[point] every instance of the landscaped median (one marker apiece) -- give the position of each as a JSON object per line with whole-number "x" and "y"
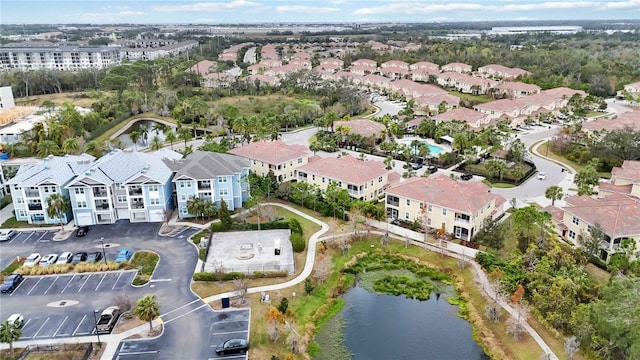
{"x": 145, "y": 262}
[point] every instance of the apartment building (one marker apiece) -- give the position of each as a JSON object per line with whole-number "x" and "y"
{"x": 34, "y": 183}
{"x": 274, "y": 156}
{"x": 122, "y": 184}
{"x": 364, "y": 180}
{"x": 210, "y": 176}
{"x": 439, "y": 202}
{"x": 64, "y": 58}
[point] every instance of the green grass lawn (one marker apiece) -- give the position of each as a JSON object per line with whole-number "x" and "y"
{"x": 477, "y": 98}
{"x": 12, "y": 223}
{"x": 502, "y": 185}
{"x": 146, "y": 261}
{"x": 544, "y": 150}
{"x": 15, "y": 265}
{"x": 308, "y": 227}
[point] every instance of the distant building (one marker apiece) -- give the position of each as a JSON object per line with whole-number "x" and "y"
{"x": 508, "y": 30}
{"x": 6, "y": 98}
{"x": 64, "y": 58}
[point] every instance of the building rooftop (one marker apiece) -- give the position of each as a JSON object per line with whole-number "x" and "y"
{"x": 57, "y": 170}
{"x": 346, "y": 169}
{"x": 629, "y": 170}
{"x": 618, "y": 214}
{"x": 207, "y": 165}
{"x": 365, "y": 127}
{"x": 271, "y": 152}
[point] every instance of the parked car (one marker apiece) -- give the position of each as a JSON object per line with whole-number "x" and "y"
{"x": 416, "y": 166}
{"x": 466, "y": 177}
{"x": 11, "y": 283}
{"x": 233, "y": 346}
{"x": 48, "y": 260}
{"x": 16, "y": 320}
{"x": 432, "y": 168}
{"x": 32, "y": 260}
{"x": 94, "y": 257}
{"x": 542, "y": 176}
{"x": 6, "y": 235}
{"x": 79, "y": 257}
{"x": 64, "y": 258}
{"x": 82, "y": 231}
{"x": 123, "y": 255}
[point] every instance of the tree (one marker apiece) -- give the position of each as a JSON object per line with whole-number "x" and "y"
{"x": 525, "y": 218}
{"x": 185, "y": 134}
{"x": 588, "y": 177}
{"x": 47, "y": 147}
{"x": 240, "y": 288}
{"x": 492, "y": 234}
{"x": 389, "y": 163}
{"x": 553, "y": 193}
{"x": 225, "y": 215}
{"x": 284, "y": 305}
{"x": 591, "y": 242}
{"x": 9, "y": 333}
{"x": 170, "y": 136}
{"x": 70, "y": 146}
{"x": 147, "y": 308}
{"x": 57, "y": 206}
{"x": 274, "y": 320}
{"x": 308, "y": 286}
{"x": 156, "y": 143}
{"x": 195, "y": 206}
{"x": 134, "y": 136}
{"x": 496, "y": 167}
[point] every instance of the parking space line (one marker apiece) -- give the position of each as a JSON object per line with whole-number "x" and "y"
{"x": 54, "y": 281}
{"x": 70, "y": 281}
{"x": 139, "y": 353}
{"x": 103, "y": 276}
{"x": 185, "y": 314}
{"x": 178, "y": 308}
{"x": 229, "y": 332}
{"x": 228, "y": 321}
{"x": 58, "y": 329}
{"x": 17, "y": 287}
{"x": 78, "y": 327}
{"x": 45, "y": 233}
{"x": 28, "y": 237}
{"x": 34, "y": 286}
{"x": 41, "y": 326}
{"x": 116, "y": 283}
{"x": 85, "y": 281}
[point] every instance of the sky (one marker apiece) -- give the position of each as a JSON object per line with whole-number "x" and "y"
{"x": 342, "y": 11}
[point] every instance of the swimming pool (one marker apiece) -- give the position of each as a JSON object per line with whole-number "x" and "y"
{"x": 434, "y": 150}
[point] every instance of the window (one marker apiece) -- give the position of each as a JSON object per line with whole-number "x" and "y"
{"x": 222, "y": 179}
{"x": 429, "y": 208}
{"x": 406, "y": 215}
{"x": 79, "y": 191}
{"x": 421, "y": 206}
{"x": 46, "y": 189}
{"x": 122, "y": 198}
{"x": 323, "y": 179}
{"x": 313, "y": 177}
{"x": 371, "y": 182}
{"x": 153, "y": 187}
{"x": 19, "y": 200}
{"x": 428, "y": 221}
{"x": 224, "y": 192}
{"x": 299, "y": 160}
{"x": 182, "y": 184}
{"x": 572, "y": 234}
{"x": 408, "y": 202}
{"x": 183, "y": 197}
{"x": 254, "y": 162}
{"x": 588, "y": 228}
{"x": 183, "y": 210}
{"x": 339, "y": 184}
{"x": 53, "y": 189}
{"x": 444, "y": 211}
{"x": 379, "y": 191}
{"x": 82, "y": 204}
{"x": 380, "y": 179}
{"x": 188, "y": 184}
{"x": 154, "y": 201}
{"x": 488, "y": 206}
{"x": 576, "y": 220}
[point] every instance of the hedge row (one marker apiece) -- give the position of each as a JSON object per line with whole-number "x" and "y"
{"x": 219, "y": 227}
{"x": 217, "y": 276}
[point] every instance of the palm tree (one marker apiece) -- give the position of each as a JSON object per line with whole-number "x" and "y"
{"x": 47, "y": 147}
{"x": 496, "y": 167}
{"x": 553, "y": 193}
{"x": 70, "y": 146}
{"x": 196, "y": 206}
{"x": 147, "y": 308}
{"x": 157, "y": 127}
{"x": 184, "y": 134}
{"x": 134, "y": 136}
{"x": 9, "y": 333}
{"x": 57, "y": 205}
{"x": 170, "y": 136}
{"x": 156, "y": 143}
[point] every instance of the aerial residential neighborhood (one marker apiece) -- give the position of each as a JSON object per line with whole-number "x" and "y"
{"x": 193, "y": 181}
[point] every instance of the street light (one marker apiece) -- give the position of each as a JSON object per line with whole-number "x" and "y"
{"x": 104, "y": 255}
{"x": 95, "y": 326}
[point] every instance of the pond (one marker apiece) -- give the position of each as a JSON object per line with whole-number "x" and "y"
{"x": 394, "y": 327}
{"x": 143, "y": 126}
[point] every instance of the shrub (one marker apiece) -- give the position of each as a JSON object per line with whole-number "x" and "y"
{"x": 204, "y": 276}
{"x": 297, "y": 242}
{"x": 284, "y": 305}
{"x": 295, "y": 226}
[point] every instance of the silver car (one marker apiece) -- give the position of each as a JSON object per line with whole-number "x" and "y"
{"x": 6, "y": 235}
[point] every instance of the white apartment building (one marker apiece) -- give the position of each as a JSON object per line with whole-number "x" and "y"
{"x": 64, "y": 58}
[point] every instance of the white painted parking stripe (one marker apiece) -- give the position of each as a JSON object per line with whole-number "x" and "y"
{"x": 185, "y": 314}
{"x": 70, "y": 281}
{"x": 14, "y": 290}
{"x": 62, "y": 323}
{"x": 140, "y": 353}
{"x": 103, "y": 276}
{"x": 229, "y": 332}
{"x": 85, "y": 281}
{"x": 159, "y": 280}
{"x": 45, "y": 233}
{"x": 54, "y": 281}
{"x": 41, "y": 326}
{"x": 28, "y": 237}
{"x": 116, "y": 283}
{"x": 34, "y": 286}
{"x": 229, "y": 321}
{"x": 78, "y": 327}
{"x": 178, "y": 308}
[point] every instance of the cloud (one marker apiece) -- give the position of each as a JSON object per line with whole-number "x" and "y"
{"x": 306, "y": 9}
{"x": 130, "y": 13}
{"x": 209, "y": 7}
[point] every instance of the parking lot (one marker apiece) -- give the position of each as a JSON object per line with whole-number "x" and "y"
{"x": 56, "y": 326}
{"x": 50, "y": 285}
{"x": 232, "y": 324}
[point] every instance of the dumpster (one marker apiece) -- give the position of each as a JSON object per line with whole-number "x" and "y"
{"x": 225, "y": 302}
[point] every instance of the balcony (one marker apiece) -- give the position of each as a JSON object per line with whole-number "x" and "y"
{"x": 356, "y": 193}
{"x": 135, "y": 191}
{"x": 393, "y": 200}
{"x": 102, "y": 205}
{"x": 139, "y": 204}
{"x": 100, "y": 192}
{"x": 32, "y": 193}
{"x": 204, "y": 185}
{"x": 35, "y": 206}
{"x": 462, "y": 218}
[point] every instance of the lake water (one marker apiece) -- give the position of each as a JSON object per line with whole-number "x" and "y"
{"x": 140, "y": 126}
{"x": 387, "y": 327}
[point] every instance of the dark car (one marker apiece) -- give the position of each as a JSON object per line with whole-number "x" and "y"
{"x": 416, "y": 166}
{"x": 432, "y": 169}
{"x": 466, "y": 177}
{"x": 79, "y": 257}
{"x": 94, "y": 257}
{"x": 82, "y": 231}
{"x": 11, "y": 283}
{"x": 233, "y": 346}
